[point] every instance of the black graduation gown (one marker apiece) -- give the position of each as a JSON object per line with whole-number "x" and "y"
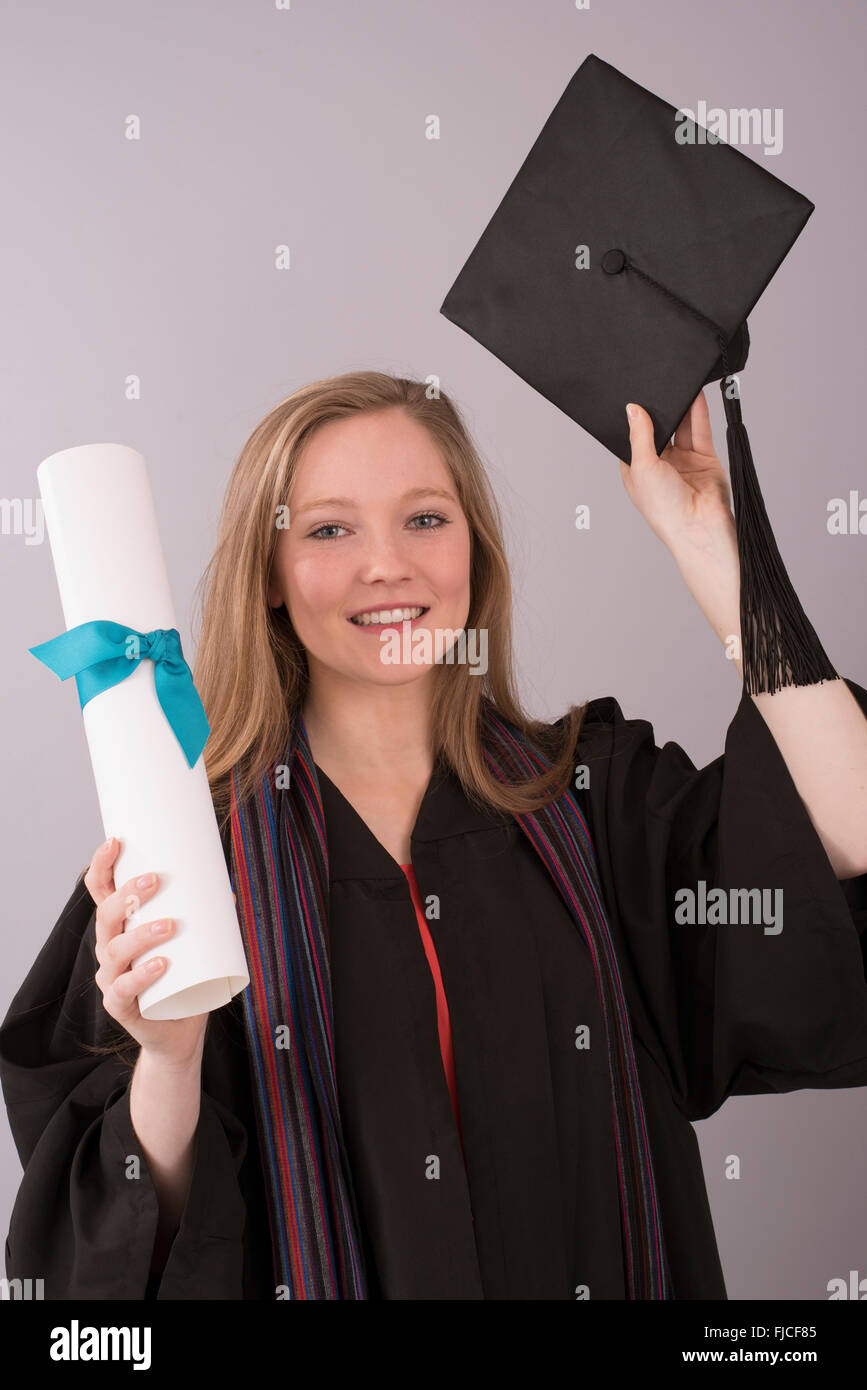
{"x": 716, "y": 1010}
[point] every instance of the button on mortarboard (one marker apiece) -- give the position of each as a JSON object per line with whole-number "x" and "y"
{"x": 683, "y": 240}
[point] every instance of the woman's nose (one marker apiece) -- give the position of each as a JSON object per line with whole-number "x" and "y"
{"x": 385, "y": 558}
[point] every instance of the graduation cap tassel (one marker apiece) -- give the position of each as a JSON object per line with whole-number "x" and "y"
{"x": 779, "y": 645}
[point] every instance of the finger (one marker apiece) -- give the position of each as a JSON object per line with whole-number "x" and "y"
{"x": 641, "y": 441}
{"x": 121, "y": 998}
{"x": 683, "y": 433}
{"x": 114, "y": 911}
{"x": 702, "y": 435}
{"x": 99, "y": 879}
{"x": 118, "y": 953}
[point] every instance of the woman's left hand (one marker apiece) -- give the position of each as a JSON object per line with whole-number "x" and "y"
{"x": 682, "y": 493}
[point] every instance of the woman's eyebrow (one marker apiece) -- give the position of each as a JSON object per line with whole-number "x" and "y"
{"x": 351, "y": 502}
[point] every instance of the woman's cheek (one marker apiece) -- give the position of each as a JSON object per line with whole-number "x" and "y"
{"x": 316, "y": 587}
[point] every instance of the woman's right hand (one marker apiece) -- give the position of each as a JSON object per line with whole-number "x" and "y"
{"x": 176, "y": 1040}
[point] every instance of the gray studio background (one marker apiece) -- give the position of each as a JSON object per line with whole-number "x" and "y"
{"x": 306, "y": 127}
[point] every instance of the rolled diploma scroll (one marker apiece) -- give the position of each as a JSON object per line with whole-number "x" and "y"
{"x": 109, "y": 562}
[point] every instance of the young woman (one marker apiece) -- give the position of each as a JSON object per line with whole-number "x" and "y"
{"x": 497, "y": 965}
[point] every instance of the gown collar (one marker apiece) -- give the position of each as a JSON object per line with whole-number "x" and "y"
{"x": 355, "y": 852}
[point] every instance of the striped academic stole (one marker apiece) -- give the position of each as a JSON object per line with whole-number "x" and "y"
{"x": 280, "y": 875}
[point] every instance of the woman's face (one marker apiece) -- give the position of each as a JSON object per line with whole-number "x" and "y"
{"x": 374, "y": 524}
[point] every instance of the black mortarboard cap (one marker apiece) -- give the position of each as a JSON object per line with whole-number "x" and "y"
{"x": 682, "y": 235}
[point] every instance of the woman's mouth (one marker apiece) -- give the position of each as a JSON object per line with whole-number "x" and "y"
{"x": 377, "y": 619}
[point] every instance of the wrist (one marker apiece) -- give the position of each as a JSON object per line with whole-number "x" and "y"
{"x": 156, "y": 1063}
{"x": 712, "y": 543}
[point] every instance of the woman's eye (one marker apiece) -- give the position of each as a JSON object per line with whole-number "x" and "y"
{"x": 420, "y": 516}
{"x": 327, "y": 526}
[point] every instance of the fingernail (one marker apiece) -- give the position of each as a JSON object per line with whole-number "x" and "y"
{"x": 109, "y": 842}
{"x": 632, "y": 412}
{"x": 154, "y": 965}
{"x": 145, "y": 881}
{"x": 161, "y": 928}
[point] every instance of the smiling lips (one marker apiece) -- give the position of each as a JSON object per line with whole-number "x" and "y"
{"x": 380, "y": 617}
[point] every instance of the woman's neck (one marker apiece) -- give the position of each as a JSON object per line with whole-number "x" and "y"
{"x": 370, "y": 731}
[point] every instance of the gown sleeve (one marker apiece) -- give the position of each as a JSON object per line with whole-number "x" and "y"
{"x": 734, "y": 1008}
{"x": 82, "y": 1221}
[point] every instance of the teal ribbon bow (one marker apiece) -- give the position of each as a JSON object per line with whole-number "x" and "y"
{"x": 102, "y": 654}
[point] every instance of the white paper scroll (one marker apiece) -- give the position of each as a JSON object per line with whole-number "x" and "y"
{"x": 109, "y": 563}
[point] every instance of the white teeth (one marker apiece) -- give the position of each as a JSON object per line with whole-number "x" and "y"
{"x": 387, "y": 615}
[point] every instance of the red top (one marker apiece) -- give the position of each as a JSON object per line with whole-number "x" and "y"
{"x": 443, "y": 1024}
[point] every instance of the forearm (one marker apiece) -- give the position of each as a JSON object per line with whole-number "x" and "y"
{"x": 164, "y": 1109}
{"x": 708, "y": 563}
{"x": 822, "y": 735}
{"x": 820, "y": 730}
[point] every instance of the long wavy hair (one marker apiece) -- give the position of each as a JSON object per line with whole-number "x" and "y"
{"x": 251, "y": 668}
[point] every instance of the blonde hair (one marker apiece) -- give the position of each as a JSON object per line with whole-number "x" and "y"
{"x": 251, "y": 668}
